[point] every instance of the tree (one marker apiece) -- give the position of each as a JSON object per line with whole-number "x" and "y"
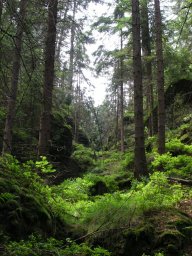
{"x": 1, "y": 9}
{"x": 7, "y": 137}
{"x": 71, "y": 58}
{"x": 45, "y": 121}
{"x": 160, "y": 79}
{"x": 140, "y": 158}
{"x": 147, "y": 67}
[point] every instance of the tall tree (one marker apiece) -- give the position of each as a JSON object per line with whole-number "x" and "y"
{"x": 121, "y": 95}
{"x": 119, "y": 14}
{"x": 140, "y": 158}
{"x": 45, "y": 121}
{"x": 71, "y": 57}
{"x": 160, "y": 79}
{"x": 146, "y": 49}
{"x": 1, "y": 9}
{"x": 11, "y": 106}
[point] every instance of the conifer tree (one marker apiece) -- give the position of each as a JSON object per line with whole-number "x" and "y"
{"x": 140, "y": 158}
{"x": 45, "y": 122}
{"x": 160, "y": 79}
{"x": 11, "y": 105}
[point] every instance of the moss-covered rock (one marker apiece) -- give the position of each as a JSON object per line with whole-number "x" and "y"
{"x": 24, "y": 204}
{"x": 168, "y": 231}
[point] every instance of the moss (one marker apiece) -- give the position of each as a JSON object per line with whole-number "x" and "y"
{"x": 24, "y": 208}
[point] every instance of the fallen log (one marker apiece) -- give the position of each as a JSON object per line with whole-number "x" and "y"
{"x": 181, "y": 181}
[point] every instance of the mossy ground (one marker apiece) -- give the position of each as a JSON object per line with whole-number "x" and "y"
{"x": 104, "y": 208}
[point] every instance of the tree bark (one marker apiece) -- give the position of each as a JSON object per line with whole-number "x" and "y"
{"x": 1, "y": 9}
{"x": 160, "y": 79}
{"x": 71, "y": 58}
{"x": 45, "y": 121}
{"x": 121, "y": 98}
{"x": 140, "y": 158}
{"x": 7, "y": 136}
{"x": 146, "y": 47}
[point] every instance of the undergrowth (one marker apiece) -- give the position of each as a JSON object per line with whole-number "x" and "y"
{"x": 87, "y": 205}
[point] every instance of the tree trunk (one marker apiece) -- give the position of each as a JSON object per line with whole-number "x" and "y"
{"x": 160, "y": 79}
{"x": 45, "y": 121}
{"x": 140, "y": 158}
{"x": 121, "y": 98}
{"x": 71, "y": 60}
{"x": 146, "y": 47}
{"x": 7, "y": 136}
{"x": 1, "y": 9}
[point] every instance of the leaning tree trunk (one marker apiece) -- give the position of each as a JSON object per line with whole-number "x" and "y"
{"x": 11, "y": 106}
{"x": 140, "y": 158}
{"x": 160, "y": 79}
{"x": 45, "y": 121}
{"x": 146, "y": 47}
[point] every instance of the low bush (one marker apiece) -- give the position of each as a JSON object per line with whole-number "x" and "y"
{"x": 176, "y": 147}
{"x": 36, "y": 246}
{"x": 180, "y": 166}
{"x": 85, "y": 157}
{"x": 116, "y": 210}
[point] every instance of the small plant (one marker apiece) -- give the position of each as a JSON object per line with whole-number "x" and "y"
{"x": 44, "y": 165}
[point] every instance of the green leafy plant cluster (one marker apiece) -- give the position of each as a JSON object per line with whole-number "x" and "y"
{"x": 25, "y": 201}
{"x": 44, "y": 166}
{"x": 176, "y": 147}
{"x": 118, "y": 209}
{"x": 114, "y": 163}
{"x": 85, "y": 157}
{"x": 128, "y": 162}
{"x": 73, "y": 196}
{"x": 36, "y": 246}
{"x": 180, "y": 166}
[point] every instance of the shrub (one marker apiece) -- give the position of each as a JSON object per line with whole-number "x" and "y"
{"x": 84, "y": 157}
{"x": 36, "y": 246}
{"x": 176, "y": 147}
{"x": 128, "y": 161}
{"x": 180, "y": 166}
{"x": 122, "y": 209}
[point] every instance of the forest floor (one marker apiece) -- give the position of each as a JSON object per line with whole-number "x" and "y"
{"x": 105, "y": 211}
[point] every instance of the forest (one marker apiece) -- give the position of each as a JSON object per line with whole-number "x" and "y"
{"x": 78, "y": 178}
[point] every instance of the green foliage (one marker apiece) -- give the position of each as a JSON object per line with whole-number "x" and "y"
{"x": 84, "y": 157}
{"x": 175, "y": 146}
{"x": 36, "y": 246}
{"x": 114, "y": 163}
{"x": 73, "y": 197}
{"x": 44, "y": 165}
{"x": 25, "y": 201}
{"x": 113, "y": 210}
{"x": 177, "y": 64}
{"x": 128, "y": 162}
{"x": 180, "y": 166}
